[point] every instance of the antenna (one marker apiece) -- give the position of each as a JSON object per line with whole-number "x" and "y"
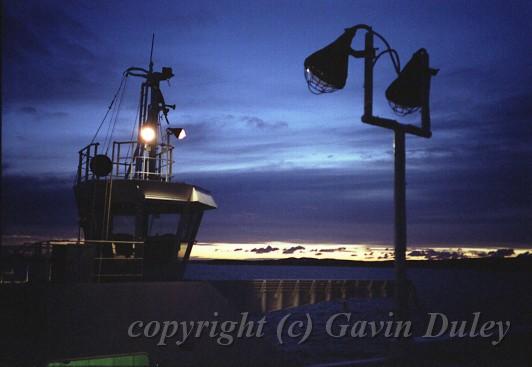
{"x": 151, "y": 52}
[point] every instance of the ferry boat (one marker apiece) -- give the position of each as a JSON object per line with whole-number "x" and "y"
{"x": 73, "y": 303}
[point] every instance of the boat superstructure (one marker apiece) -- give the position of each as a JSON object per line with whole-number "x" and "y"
{"x": 135, "y": 221}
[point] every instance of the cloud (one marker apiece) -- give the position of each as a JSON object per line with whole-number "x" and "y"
{"x": 42, "y": 205}
{"x": 502, "y": 252}
{"x": 293, "y": 249}
{"x": 338, "y": 249}
{"x": 41, "y": 115}
{"x": 318, "y": 204}
{"x": 189, "y": 18}
{"x": 49, "y": 55}
{"x": 469, "y": 183}
{"x": 432, "y": 254}
{"x": 259, "y": 123}
{"x": 28, "y": 110}
{"x": 417, "y": 253}
{"x": 265, "y": 250}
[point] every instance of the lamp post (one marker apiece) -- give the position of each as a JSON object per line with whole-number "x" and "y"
{"x": 326, "y": 72}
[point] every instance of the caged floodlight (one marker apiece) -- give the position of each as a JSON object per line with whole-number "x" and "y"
{"x": 326, "y": 69}
{"x": 408, "y": 93}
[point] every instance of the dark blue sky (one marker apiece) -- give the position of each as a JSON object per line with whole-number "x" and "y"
{"x": 282, "y": 163}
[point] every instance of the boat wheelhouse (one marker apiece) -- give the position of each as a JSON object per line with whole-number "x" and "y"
{"x": 135, "y": 221}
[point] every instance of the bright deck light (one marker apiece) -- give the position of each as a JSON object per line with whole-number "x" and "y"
{"x": 147, "y": 133}
{"x": 178, "y": 132}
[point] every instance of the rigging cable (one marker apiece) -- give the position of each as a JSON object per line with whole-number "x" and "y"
{"x": 116, "y": 114}
{"x": 133, "y": 131}
{"x": 108, "y": 110}
{"x": 75, "y": 175}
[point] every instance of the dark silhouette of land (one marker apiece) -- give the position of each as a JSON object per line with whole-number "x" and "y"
{"x": 518, "y": 263}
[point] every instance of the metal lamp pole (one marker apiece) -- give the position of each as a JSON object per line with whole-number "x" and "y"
{"x": 401, "y": 288}
{"x": 399, "y": 194}
{"x": 326, "y": 72}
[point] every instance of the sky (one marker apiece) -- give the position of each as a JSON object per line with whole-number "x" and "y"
{"x": 282, "y": 164}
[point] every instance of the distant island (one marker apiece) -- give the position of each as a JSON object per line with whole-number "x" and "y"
{"x": 521, "y": 262}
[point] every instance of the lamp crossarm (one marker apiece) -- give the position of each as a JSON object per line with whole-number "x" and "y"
{"x": 358, "y": 54}
{"x": 368, "y": 117}
{"x": 396, "y": 126}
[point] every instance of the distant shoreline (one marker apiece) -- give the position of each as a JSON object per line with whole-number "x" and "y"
{"x": 507, "y": 264}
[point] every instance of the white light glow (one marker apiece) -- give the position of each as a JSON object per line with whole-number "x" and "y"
{"x": 147, "y": 133}
{"x": 182, "y": 134}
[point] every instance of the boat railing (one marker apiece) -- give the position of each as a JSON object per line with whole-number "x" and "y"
{"x": 129, "y": 162}
{"x": 85, "y": 156}
{"x": 46, "y": 261}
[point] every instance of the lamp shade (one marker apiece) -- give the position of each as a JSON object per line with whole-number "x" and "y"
{"x": 410, "y": 90}
{"x": 326, "y": 69}
{"x": 178, "y": 132}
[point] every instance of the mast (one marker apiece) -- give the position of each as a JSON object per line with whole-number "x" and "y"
{"x": 152, "y": 104}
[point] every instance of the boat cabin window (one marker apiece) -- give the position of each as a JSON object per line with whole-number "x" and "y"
{"x": 182, "y": 250}
{"x": 123, "y": 227}
{"x": 163, "y": 224}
